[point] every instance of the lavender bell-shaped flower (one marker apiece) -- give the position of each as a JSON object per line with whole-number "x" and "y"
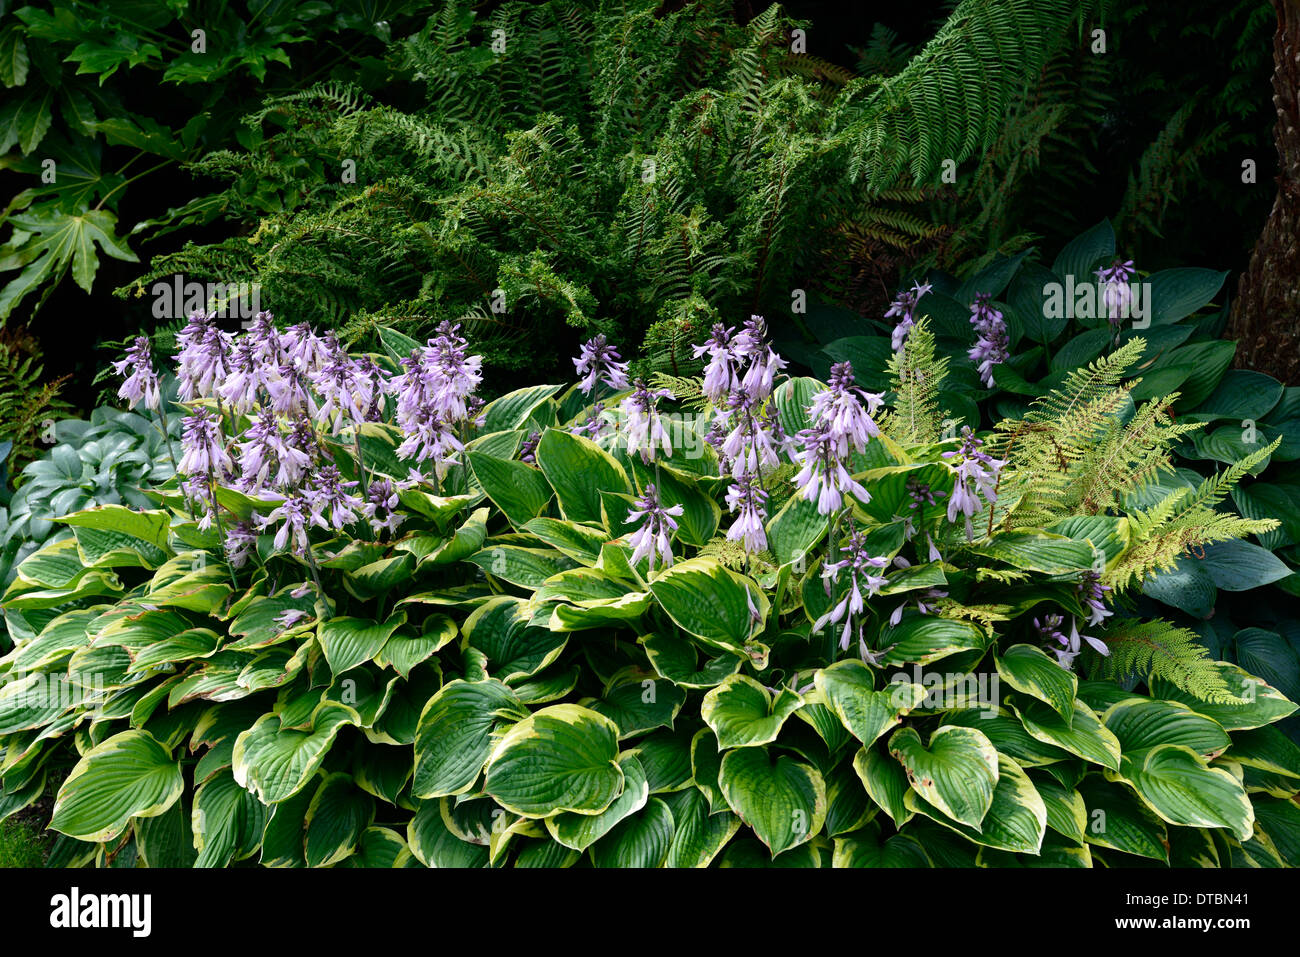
{"x": 977, "y": 471}
{"x": 141, "y": 383}
{"x": 1116, "y": 293}
{"x": 646, "y": 434}
{"x": 904, "y": 305}
{"x": 992, "y": 347}
{"x": 599, "y": 360}
{"x": 841, "y": 425}
{"x": 861, "y": 566}
{"x": 654, "y": 537}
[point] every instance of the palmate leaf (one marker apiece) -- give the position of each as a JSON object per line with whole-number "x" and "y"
{"x": 52, "y": 242}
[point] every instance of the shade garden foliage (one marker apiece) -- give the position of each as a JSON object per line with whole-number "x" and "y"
{"x": 383, "y": 623}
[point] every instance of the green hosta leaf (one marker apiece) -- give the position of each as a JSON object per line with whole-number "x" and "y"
{"x": 742, "y": 713}
{"x": 1030, "y": 671}
{"x": 166, "y": 840}
{"x": 127, "y": 776}
{"x": 579, "y": 542}
{"x": 454, "y": 736}
{"x": 338, "y": 815}
{"x": 579, "y": 470}
{"x": 1081, "y": 255}
{"x": 639, "y": 705}
{"x": 1177, "y": 293}
{"x": 227, "y": 821}
{"x": 698, "y": 834}
{"x": 848, "y": 687}
{"x": 675, "y": 658}
{"x": 517, "y": 489}
{"x": 792, "y": 398}
{"x": 1037, "y": 552}
{"x": 642, "y": 839}
{"x": 848, "y": 806}
{"x": 193, "y": 581}
{"x": 1267, "y": 749}
{"x": 116, "y": 535}
{"x": 580, "y": 831}
{"x": 698, "y": 522}
{"x": 1084, "y": 736}
{"x": 795, "y": 530}
{"x": 712, "y": 603}
{"x": 957, "y": 773}
{"x": 276, "y": 762}
{"x": 886, "y": 783}
{"x": 1118, "y": 820}
{"x": 1067, "y": 815}
{"x": 901, "y": 850}
{"x": 1176, "y": 783}
{"x": 256, "y": 626}
{"x": 666, "y": 757}
{"x": 781, "y": 799}
{"x": 1261, "y": 703}
{"x": 1240, "y": 566}
{"x": 350, "y": 642}
{"x": 526, "y": 567}
{"x": 561, "y": 758}
{"x": 705, "y": 766}
{"x": 514, "y": 649}
{"x": 381, "y": 847}
{"x": 403, "y": 652}
{"x": 1016, "y": 819}
{"x": 434, "y": 844}
{"x": 512, "y": 410}
{"x": 923, "y": 639}
{"x": 1142, "y": 723}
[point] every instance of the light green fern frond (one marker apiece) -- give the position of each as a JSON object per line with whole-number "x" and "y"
{"x": 1159, "y": 649}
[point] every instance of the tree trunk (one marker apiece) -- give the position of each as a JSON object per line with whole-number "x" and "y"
{"x": 1266, "y": 314}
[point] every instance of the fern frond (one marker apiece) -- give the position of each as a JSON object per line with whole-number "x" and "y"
{"x": 1160, "y": 649}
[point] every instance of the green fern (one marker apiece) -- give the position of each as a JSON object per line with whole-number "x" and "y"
{"x": 1159, "y": 649}
{"x": 916, "y": 375}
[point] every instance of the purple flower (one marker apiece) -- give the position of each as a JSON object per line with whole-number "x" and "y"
{"x": 248, "y": 376}
{"x": 204, "y": 445}
{"x": 347, "y": 388}
{"x": 657, "y": 526}
{"x": 646, "y": 434}
{"x": 822, "y": 475}
{"x": 240, "y": 542}
{"x": 265, "y": 339}
{"x": 993, "y": 345}
{"x": 1093, "y": 593}
{"x": 747, "y": 497}
{"x": 329, "y": 491}
{"x": 1116, "y": 293}
{"x": 595, "y": 423}
{"x": 860, "y": 565}
{"x": 976, "y": 472}
{"x": 380, "y": 506}
{"x": 924, "y": 604}
{"x": 303, "y": 349}
{"x": 141, "y": 383}
{"x": 720, "y": 375}
{"x": 203, "y": 357}
{"x": 290, "y": 618}
{"x": 295, "y": 516}
{"x": 839, "y": 408}
{"x": 434, "y": 397}
{"x": 528, "y": 448}
{"x": 600, "y": 360}
{"x": 904, "y": 305}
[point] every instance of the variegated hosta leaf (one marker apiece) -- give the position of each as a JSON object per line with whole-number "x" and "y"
{"x": 561, "y": 758}
{"x": 1015, "y": 821}
{"x": 848, "y": 688}
{"x": 130, "y": 775}
{"x": 712, "y": 603}
{"x": 956, "y": 774}
{"x": 580, "y": 831}
{"x": 454, "y": 736}
{"x": 1029, "y": 670}
{"x": 782, "y": 800}
{"x": 275, "y": 762}
{"x": 742, "y": 713}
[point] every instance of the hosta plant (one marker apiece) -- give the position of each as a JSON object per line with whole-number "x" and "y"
{"x": 381, "y": 623}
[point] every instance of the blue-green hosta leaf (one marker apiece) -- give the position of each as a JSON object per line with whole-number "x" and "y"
{"x": 637, "y": 703}
{"x": 276, "y": 762}
{"x": 1142, "y": 723}
{"x": 782, "y": 800}
{"x": 1240, "y": 566}
{"x": 1016, "y": 819}
{"x": 561, "y": 758}
{"x": 517, "y": 489}
{"x": 886, "y": 783}
{"x": 1177, "y": 293}
{"x": 640, "y": 840}
{"x": 127, "y": 776}
{"x": 338, "y": 815}
{"x": 454, "y": 736}
{"x": 514, "y": 649}
{"x": 580, "y": 831}
{"x": 742, "y": 713}
{"x": 698, "y": 833}
{"x": 350, "y": 642}
{"x": 848, "y": 688}
{"x": 1029, "y": 670}
{"x": 1085, "y": 735}
{"x": 677, "y": 659}
{"x": 956, "y": 774}
{"x": 712, "y": 603}
{"x": 579, "y": 470}
{"x": 1175, "y": 782}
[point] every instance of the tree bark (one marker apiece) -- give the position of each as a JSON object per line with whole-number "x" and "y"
{"x": 1265, "y": 318}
